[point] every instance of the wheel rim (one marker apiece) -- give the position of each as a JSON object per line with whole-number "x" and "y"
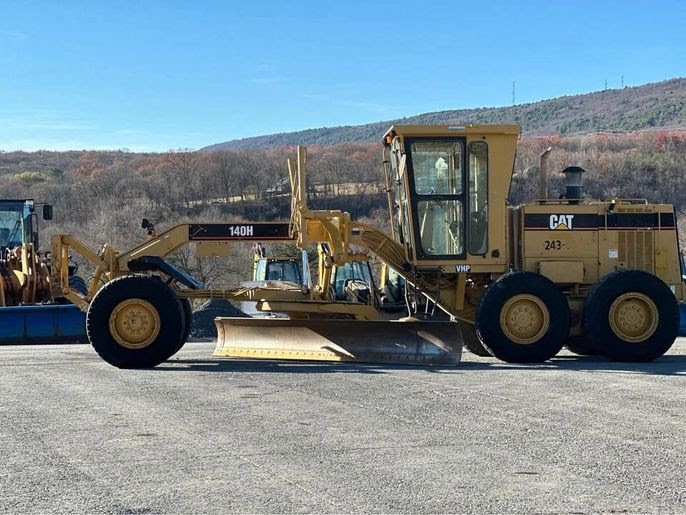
{"x": 633, "y": 317}
{"x": 524, "y": 319}
{"x": 134, "y": 323}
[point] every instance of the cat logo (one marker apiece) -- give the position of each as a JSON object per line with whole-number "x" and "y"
{"x": 561, "y": 222}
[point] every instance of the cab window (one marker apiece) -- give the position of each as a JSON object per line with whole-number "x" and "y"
{"x": 261, "y": 270}
{"x": 355, "y": 271}
{"x": 12, "y": 228}
{"x": 440, "y": 227}
{"x": 437, "y": 167}
{"x": 478, "y": 197}
{"x": 286, "y": 271}
{"x": 438, "y": 181}
{"x": 400, "y": 196}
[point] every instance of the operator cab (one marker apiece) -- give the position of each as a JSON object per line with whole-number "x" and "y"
{"x": 273, "y": 269}
{"x": 18, "y": 222}
{"x": 353, "y": 281}
{"x": 440, "y": 182}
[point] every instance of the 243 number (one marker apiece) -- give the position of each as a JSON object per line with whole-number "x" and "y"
{"x": 553, "y": 245}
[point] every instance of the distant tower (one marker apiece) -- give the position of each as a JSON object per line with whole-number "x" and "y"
{"x": 622, "y": 81}
{"x": 605, "y": 85}
{"x": 513, "y": 92}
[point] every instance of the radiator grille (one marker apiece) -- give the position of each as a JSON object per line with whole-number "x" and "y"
{"x": 636, "y": 250}
{"x": 635, "y": 210}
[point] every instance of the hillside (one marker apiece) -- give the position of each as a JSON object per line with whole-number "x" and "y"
{"x": 102, "y": 196}
{"x": 650, "y": 106}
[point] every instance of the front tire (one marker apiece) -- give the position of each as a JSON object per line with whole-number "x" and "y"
{"x": 135, "y": 322}
{"x": 631, "y": 315}
{"x": 522, "y": 317}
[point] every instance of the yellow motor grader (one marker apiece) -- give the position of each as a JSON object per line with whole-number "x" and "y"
{"x": 519, "y": 281}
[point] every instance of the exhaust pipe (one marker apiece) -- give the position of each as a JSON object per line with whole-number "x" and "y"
{"x": 573, "y": 183}
{"x": 543, "y": 179}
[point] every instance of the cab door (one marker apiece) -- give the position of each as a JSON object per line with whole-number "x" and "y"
{"x": 436, "y": 169}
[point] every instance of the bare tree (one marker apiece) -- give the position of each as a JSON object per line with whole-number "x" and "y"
{"x": 225, "y": 172}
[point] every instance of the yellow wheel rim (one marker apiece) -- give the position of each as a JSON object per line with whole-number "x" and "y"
{"x": 134, "y": 323}
{"x": 524, "y": 319}
{"x": 633, "y": 317}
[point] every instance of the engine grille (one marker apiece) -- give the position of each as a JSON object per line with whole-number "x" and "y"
{"x": 636, "y": 250}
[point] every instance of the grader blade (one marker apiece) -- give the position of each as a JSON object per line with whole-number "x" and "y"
{"x": 411, "y": 342}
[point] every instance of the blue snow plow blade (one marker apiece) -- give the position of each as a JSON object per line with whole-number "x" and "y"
{"x": 58, "y": 323}
{"x": 682, "y": 319}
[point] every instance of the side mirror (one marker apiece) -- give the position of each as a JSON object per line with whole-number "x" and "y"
{"x": 47, "y": 212}
{"x": 148, "y": 226}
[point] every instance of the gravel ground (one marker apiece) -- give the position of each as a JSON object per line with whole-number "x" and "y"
{"x": 200, "y": 434}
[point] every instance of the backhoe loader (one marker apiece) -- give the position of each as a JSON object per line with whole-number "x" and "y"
{"x": 518, "y": 282}
{"x": 350, "y": 282}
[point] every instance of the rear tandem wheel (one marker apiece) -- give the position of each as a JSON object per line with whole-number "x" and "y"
{"x": 522, "y": 317}
{"x": 135, "y": 322}
{"x": 631, "y": 315}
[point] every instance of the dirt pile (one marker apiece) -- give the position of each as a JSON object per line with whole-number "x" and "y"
{"x": 203, "y": 327}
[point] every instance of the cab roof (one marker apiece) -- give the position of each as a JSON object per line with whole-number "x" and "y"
{"x": 449, "y": 130}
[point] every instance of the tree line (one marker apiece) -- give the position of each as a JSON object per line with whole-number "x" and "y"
{"x": 102, "y": 196}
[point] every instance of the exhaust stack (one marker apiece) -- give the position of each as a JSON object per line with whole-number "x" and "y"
{"x": 573, "y": 182}
{"x": 543, "y": 179}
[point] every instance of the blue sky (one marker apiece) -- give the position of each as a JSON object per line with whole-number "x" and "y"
{"x": 156, "y": 75}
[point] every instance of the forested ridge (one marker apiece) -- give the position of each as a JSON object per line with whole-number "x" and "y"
{"x": 652, "y": 106}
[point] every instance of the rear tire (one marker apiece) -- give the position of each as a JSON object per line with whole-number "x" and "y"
{"x": 522, "y": 317}
{"x": 135, "y": 322}
{"x": 631, "y": 315}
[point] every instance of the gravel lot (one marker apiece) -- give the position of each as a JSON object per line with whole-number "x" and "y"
{"x": 199, "y": 434}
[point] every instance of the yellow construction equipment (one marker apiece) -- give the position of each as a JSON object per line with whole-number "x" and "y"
{"x": 29, "y": 313}
{"x": 350, "y": 282}
{"x": 519, "y": 281}
{"x": 24, "y": 276}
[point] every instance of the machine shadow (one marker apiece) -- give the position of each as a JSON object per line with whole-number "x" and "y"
{"x": 666, "y": 365}
{"x": 294, "y": 367}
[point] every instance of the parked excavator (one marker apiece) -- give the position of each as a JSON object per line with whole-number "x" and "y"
{"x": 29, "y": 313}
{"x": 518, "y": 282}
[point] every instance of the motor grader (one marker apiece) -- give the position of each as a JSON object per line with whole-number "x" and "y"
{"x": 518, "y": 282}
